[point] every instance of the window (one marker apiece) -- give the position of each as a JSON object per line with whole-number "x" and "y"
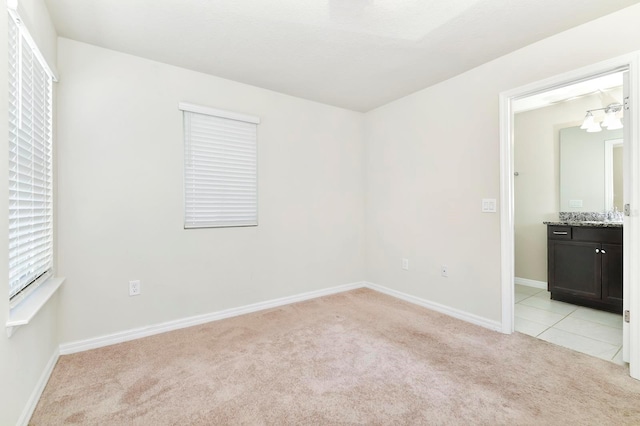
{"x": 220, "y": 169}
{"x": 30, "y": 163}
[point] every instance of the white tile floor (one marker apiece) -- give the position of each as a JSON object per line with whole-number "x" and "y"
{"x": 585, "y": 330}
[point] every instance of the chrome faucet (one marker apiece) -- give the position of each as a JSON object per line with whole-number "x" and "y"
{"x": 613, "y": 215}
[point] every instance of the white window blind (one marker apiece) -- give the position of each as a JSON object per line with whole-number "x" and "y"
{"x": 30, "y": 163}
{"x": 220, "y": 171}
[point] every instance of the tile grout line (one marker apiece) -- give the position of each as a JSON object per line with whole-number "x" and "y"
{"x": 554, "y": 324}
{"x": 614, "y": 357}
{"x": 576, "y": 334}
{"x": 586, "y": 337}
{"x": 565, "y": 316}
{"x": 595, "y": 322}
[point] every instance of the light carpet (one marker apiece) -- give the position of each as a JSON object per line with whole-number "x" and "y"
{"x": 359, "y": 357}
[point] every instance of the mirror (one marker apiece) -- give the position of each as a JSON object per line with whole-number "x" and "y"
{"x": 613, "y": 163}
{"x": 590, "y": 170}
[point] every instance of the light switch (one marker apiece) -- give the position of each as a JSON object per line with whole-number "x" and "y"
{"x": 488, "y": 205}
{"x": 575, "y": 203}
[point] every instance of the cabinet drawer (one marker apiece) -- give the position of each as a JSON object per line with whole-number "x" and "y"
{"x": 601, "y": 235}
{"x": 559, "y": 232}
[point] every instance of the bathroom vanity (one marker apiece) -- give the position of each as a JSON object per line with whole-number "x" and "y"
{"x": 585, "y": 263}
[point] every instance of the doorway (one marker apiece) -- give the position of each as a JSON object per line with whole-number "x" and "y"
{"x": 630, "y": 229}
{"x": 561, "y": 166}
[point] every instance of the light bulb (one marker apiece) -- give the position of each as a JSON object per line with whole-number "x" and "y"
{"x": 594, "y": 127}
{"x": 615, "y": 124}
{"x": 609, "y": 119}
{"x": 588, "y": 121}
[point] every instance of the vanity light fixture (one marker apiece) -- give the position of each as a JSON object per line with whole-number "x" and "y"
{"x": 588, "y": 121}
{"x": 611, "y": 120}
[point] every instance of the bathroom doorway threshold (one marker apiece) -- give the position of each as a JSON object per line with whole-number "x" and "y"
{"x": 631, "y": 247}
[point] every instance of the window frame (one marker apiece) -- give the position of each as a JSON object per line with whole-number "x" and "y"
{"x": 19, "y": 289}
{"x": 198, "y": 112}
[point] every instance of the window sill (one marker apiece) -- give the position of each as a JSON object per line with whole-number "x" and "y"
{"x": 29, "y": 307}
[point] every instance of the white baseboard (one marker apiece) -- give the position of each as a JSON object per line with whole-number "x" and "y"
{"x": 137, "y": 333}
{"x": 530, "y": 283}
{"x": 443, "y": 309}
{"x": 37, "y": 391}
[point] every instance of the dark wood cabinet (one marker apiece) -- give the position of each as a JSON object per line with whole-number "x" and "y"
{"x": 612, "y": 274}
{"x": 585, "y": 266}
{"x": 576, "y": 268}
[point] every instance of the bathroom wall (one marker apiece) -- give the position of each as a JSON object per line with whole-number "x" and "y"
{"x": 618, "y": 165}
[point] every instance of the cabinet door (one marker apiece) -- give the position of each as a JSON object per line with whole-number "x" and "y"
{"x": 612, "y": 274}
{"x": 575, "y": 268}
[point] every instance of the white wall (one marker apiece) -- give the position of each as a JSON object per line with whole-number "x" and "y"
{"x": 432, "y": 156}
{"x": 537, "y": 186}
{"x": 35, "y": 16}
{"x": 24, "y": 356}
{"x": 121, "y": 198}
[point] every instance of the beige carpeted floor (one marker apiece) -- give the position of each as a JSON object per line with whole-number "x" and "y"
{"x": 353, "y": 358}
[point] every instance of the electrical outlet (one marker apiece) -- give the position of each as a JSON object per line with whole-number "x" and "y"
{"x": 405, "y": 264}
{"x": 134, "y": 288}
{"x": 444, "y": 270}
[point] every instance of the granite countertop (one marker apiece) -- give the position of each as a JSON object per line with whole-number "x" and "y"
{"x": 586, "y": 223}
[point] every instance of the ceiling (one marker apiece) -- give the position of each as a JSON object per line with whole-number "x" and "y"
{"x": 355, "y": 54}
{"x": 603, "y": 85}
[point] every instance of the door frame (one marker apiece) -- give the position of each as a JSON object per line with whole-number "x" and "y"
{"x": 630, "y": 62}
